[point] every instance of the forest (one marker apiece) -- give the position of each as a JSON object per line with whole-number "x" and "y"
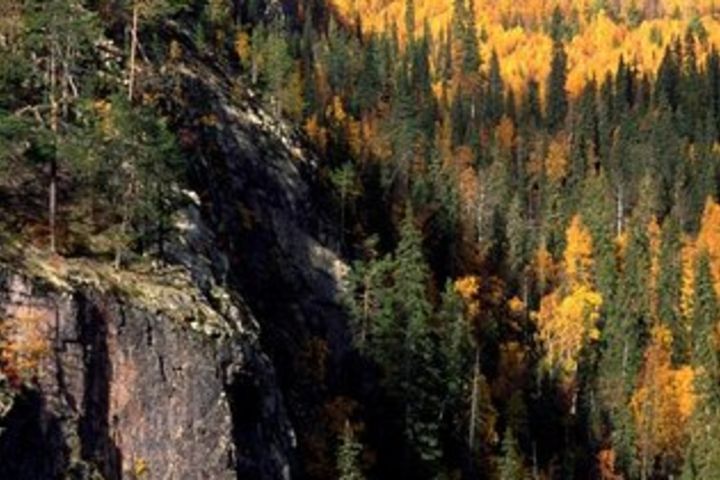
{"x": 526, "y": 192}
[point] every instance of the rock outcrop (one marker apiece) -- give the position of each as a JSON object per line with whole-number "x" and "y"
{"x": 188, "y": 371}
{"x": 167, "y": 383}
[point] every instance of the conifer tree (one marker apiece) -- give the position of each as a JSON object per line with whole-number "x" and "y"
{"x": 703, "y": 450}
{"x": 556, "y": 100}
{"x": 495, "y": 96}
{"x": 419, "y": 375}
{"x": 511, "y": 464}
{"x": 348, "y": 456}
{"x": 669, "y": 283}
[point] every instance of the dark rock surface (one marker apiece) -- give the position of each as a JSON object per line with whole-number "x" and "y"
{"x": 124, "y": 390}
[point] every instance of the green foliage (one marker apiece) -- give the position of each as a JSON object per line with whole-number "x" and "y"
{"x": 511, "y": 463}
{"x": 556, "y": 100}
{"x": 348, "y": 456}
{"x": 127, "y": 157}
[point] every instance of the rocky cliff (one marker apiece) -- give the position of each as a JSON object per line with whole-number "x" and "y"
{"x": 186, "y": 371}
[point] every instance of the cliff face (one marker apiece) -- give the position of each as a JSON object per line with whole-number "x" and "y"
{"x": 187, "y": 371}
{"x": 162, "y": 385}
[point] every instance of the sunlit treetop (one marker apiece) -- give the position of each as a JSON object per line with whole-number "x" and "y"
{"x": 597, "y": 33}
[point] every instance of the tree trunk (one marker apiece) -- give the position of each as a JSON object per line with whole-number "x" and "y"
{"x": 54, "y": 127}
{"x": 133, "y": 50}
{"x": 619, "y": 212}
{"x": 254, "y": 71}
{"x": 366, "y": 308}
{"x": 474, "y": 400}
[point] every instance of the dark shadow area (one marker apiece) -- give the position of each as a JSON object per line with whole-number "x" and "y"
{"x": 246, "y": 409}
{"x": 32, "y": 446}
{"x": 96, "y": 443}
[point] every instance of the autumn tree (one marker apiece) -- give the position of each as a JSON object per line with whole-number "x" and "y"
{"x": 567, "y": 317}
{"x": 662, "y": 405}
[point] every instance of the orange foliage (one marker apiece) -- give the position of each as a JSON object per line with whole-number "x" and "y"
{"x": 23, "y": 344}
{"x": 556, "y": 161}
{"x": 469, "y": 288}
{"x": 513, "y": 369}
{"x": 606, "y": 465}
{"x": 516, "y": 306}
{"x": 663, "y": 401}
{"x": 544, "y": 266}
{"x": 316, "y": 133}
{"x": 567, "y": 317}
{"x": 506, "y": 134}
{"x": 709, "y": 238}
{"x": 564, "y": 324}
{"x": 514, "y": 28}
{"x": 578, "y": 252}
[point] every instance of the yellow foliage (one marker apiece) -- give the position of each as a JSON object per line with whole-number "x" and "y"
{"x": 578, "y": 252}
{"x": 513, "y": 28}
{"x": 565, "y": 323}
{"x": 709, "y": 238}
{"x": 316, "y": 133}
{"x": 544, "y": 266}
{"x": 687, "y": 290}
{"x": 663, "y": 401}
{"x": 506, "y": 134}
{"x": 557, "y": 159}
{"x": 469, "y": 288}
{"x": 516, "y": 306}
{"x": 567, "y": 317}
{"x": 336, "y": 111}
{"x": 243, "y": 47}
{"x": 23, "y": 344}
{"x": 140, "y": 468}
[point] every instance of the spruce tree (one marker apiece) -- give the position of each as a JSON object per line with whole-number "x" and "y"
{"x": 702, "y": 458}
{"x": 668, "y": 290}
{"x": 556, "y": 98}
{"x": 495, "y": 96}
{"x": 419, "y": 376}
{"x": 348, "y": 456}
{"x": 511, "y": 464}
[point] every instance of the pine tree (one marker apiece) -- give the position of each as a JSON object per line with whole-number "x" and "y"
{"x": 280, "y": 73}
{"x": 668, "y": 79}
{"x": 517, "y": 233}
{"x": 495, "y": 96}
{"x": 419, "y": 376}
{"x": 129, "y": 157}
{"x": 511, "y": 464}
{"x": 556, "y": 100}
{"x": 471, "y": 57}
{"x": 702, "y": 457}
{"x": 369, "y": 82}
{"x": 348, "y": 456}
{"x": 704, "y": 320}
{"x": 56, "y": 31}
{"x": 668, "y": 287}
{"x": 531, "y": 111}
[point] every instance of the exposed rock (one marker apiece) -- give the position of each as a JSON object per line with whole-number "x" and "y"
{"x": 127, "y": 386}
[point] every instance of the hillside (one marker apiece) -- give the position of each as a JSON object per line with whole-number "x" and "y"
{"x": 600, "y": 32}
{"x": 263, "y": 240}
